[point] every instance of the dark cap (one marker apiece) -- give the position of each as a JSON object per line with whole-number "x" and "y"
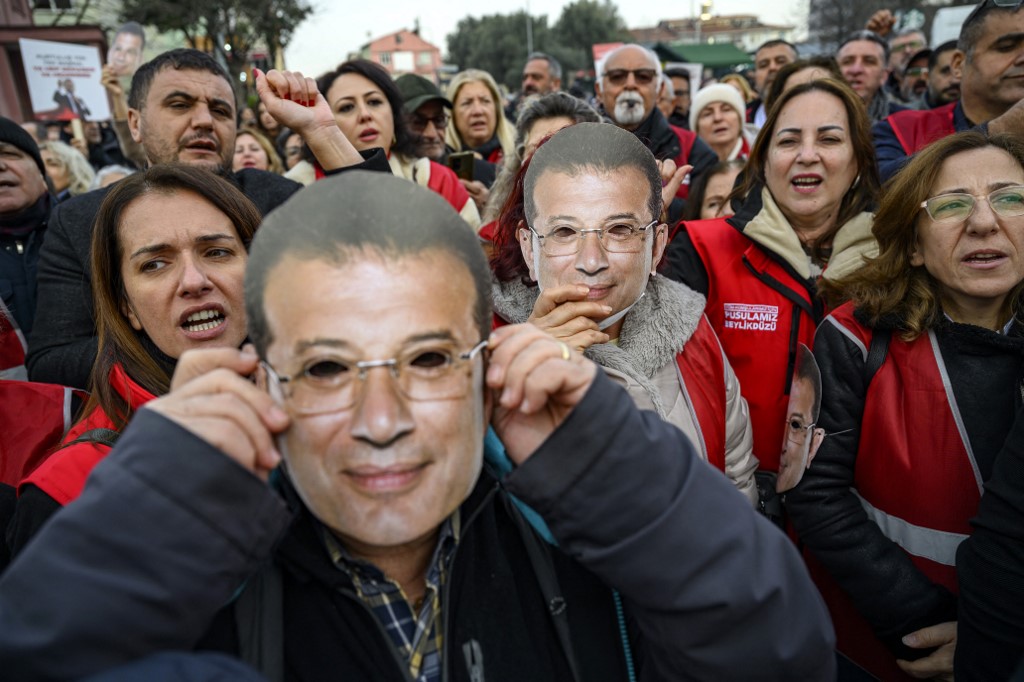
{"x": 417, "y": 91}
{"x": 925, "y": 54}
{"x": 12, "y": 133}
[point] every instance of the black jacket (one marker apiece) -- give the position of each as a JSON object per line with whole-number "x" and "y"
{"x": 714, "y": 590}
{"x": 19, "y": 262}
{"x": 990, "y": 572}
{"x": 62, "y": 348}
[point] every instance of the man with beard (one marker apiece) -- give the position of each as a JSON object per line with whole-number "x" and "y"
{"x": 541, "y": 74}
{"x": 943, "y": 81}
{"x": 988, "y": 58}
{"x": 628, "y": 92}
{"x": 181, "y": 110}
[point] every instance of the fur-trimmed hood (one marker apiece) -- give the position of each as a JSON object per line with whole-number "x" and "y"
{"x": 653, "y": 332}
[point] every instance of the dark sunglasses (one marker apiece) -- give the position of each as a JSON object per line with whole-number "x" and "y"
{"x": 641, "y": 76}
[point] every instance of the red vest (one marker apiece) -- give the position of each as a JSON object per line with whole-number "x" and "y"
{"x": 445, "y": 182}
{"x": 33, "y": 419}
{"x": 12, "y": 347}
{"x": 686, "y": 140}
{"x": 62, "y": 475}
{"x": 760, "y": 313}
{"x": 915, "y": 475}
{"x": 702, "y": 370}
{"x": 915, "y": 130}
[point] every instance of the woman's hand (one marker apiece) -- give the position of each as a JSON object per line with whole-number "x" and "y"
{"x": 672, "y": 178}
{"x": 478, "y": 192}
{"x": 565, "y": 313}
{"x": 939, "y": 664}
{"x": 295, "y": 102}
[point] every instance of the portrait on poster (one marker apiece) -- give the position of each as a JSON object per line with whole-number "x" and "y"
{"x": 64, "y": 81}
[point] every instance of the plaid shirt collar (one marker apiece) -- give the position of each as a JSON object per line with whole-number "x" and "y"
{"x": 417, "y": 637}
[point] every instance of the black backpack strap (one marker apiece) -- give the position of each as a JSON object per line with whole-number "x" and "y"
{"x": 539, "y": 552}
{"x": 876, "y": 353}
{"x": 106, "y": 437}
{"x": 259, "y": 622}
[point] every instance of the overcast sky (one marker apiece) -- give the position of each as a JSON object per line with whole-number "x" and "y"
{"x": 337, "y": 28}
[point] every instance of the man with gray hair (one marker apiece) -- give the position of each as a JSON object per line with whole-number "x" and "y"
{"x": 541, "y": 74}
{"x": 628, "y": 86}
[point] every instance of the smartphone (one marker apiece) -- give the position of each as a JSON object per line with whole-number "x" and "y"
{"x": 462, "y": 164}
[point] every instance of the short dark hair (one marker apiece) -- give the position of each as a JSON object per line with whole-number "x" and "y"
{"x": 777, "y": 41}
{"x": 554, "y": 67}
{"x": 676, "y": 72}
{"x": 870, "y": 36}
{"x": 971, "y": 29}
{"x": 359, "y": 214}
{"x": 806, "y": 369}
{"x": 378, "y": 75}
{"x": 132, "y": 28}
{"x": 181, "y": 59}
{"x": 945, "y": 47}
{"x": 826, "y": 62}
{"x": 598, "y": 146}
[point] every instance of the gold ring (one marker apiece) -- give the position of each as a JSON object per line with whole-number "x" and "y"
{"x": 566, "y": 353}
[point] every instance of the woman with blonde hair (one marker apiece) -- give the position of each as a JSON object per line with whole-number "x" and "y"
{"x": 69, "y": 171}
{"x": 478, "y": 122}
{"x": 922, "y": 371}
{"x": 254, "y": 150}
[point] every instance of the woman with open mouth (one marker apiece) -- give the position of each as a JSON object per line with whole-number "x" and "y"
{"x": 717, "y": 117}
{"x": 924, "y": 365}
{"x": 478, "y": 122}
{"x": 802, "y": 212}
{"x": 169, "y": 251}
{"x": 368, "y": 109}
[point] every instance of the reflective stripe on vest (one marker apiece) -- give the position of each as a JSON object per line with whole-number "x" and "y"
{"x": 936, "y": 545}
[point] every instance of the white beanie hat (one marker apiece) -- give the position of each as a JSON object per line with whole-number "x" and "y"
{"x": 719, "y": 92}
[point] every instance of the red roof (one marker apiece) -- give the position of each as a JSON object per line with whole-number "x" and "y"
{"x": 400, "y": 41}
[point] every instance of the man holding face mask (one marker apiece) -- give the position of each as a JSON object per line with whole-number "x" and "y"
{"x": 406, "y": 559}
{"x": 592, "y": 242}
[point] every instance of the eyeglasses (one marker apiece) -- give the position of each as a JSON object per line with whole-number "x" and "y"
{"x": 916, "y": 72}
{"x": 619, "y": 238}
{"x": 796, "y": 432}
{"x": 911, "y": 46}
{"x": 330, "y": 384}
{"x": 641, "y": 76}
{"x": 1007, "y": 202}
{"x": 419, "y": 123}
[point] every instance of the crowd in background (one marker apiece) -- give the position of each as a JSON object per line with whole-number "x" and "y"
{"x": 809, "y": 278}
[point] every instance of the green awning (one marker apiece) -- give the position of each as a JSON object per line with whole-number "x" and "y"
{"x": 714, "y": 56}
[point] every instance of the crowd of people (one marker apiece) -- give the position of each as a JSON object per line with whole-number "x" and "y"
{"x": 379, "y": 381}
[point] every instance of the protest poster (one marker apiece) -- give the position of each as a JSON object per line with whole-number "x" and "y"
{"x": 64, "y": 81}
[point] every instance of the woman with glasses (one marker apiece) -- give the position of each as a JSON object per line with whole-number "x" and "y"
{"x": 478, "y": 122}
{"x": 169, "y": 250}
{"x": 922, "y": 380}
{"x": 368, "y": 109}
{"x": 802, "y": 213}
{"x": 579, "y": 261}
